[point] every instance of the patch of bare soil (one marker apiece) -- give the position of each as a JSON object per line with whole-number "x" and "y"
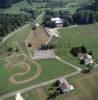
{"x": 37, "y": 37}
{"x": 41, "y": 95}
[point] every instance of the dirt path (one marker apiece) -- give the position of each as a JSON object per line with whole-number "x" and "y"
{"x": 23, "y": 65}
{"x": 12, "y": 62}
{"x": 28, "y": 68}
{"x": 13, "y": 33}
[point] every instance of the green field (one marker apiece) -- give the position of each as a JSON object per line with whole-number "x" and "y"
{"x": 70, "y": 37}
{"x": 85, "y": 35}
{"x": 58, "y": 68}
{"x": 74, "y": 37}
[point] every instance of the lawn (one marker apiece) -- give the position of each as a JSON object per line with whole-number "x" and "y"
{"x": 53, "y": 68}
{"x": 74, "y": 37}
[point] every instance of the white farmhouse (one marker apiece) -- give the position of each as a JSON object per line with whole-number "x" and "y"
{"x": 58, "y": 21}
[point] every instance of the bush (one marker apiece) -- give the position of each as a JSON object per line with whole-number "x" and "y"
{"x": 57, "y": 83}
{"x": 47, "y": 47}
{"x": 10, "y": 49}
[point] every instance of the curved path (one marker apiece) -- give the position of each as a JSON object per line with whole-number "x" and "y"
{"x": 11, "y": 60}
{"x": 11, "y": 63}
{"x": 28, "y": 68}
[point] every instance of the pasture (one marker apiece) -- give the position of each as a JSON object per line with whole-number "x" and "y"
{"x": 74, "y": 37}
{"x": 18, "y": 70}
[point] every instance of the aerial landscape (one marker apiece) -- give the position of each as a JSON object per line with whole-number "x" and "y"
{"x": 48, "y": 49}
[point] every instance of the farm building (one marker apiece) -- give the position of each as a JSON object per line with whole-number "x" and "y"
{"x": 58, "y": 21}
{"x": 43, "y": 54}
{"x": 65, "y": 86}
{"x": 88, "y": 59}
{"x": 19, "y": 97}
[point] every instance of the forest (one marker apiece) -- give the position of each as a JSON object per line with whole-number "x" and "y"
{"x": 7, "y": 3}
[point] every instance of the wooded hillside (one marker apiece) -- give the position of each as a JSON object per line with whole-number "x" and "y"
{"x": 7, "y": 3}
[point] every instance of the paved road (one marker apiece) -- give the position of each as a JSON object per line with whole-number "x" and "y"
{"x": 37, "y": 85}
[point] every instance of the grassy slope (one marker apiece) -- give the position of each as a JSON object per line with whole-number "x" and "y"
{"x": 74, "y": 37}
{"x": 19, "y": 37}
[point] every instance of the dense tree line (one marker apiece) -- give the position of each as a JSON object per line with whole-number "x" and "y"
{"x": 53, "y": 4}
{"x": 40, "y": 0}
{"x": 65, "y": 16}
{"x": 7, "y": 3}
{"x": 90, "y": 6}
{"x": 85, "y": 17}
{"x": 87, "y": 13}
{"x": 9, "y": 22}
{"x": 31, "y": 12}
{"x": 79, "y": 17}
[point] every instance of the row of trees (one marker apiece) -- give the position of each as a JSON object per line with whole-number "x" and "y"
{"x": 66, "y": 16}
{"x": 9, "y": 22}
{"x": 87, "y": 13}
{"x": 40, "y": 0}
{"x": 53, "y": 4}
{"x": 31, "y": 12}
{"x": 93, "y": 5}
{"x": 79, "y": 17}
{"x": 85, "y": 17}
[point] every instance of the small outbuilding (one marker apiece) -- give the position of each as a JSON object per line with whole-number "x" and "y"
{"x": 88, "y": 59}
{"x": 58, "y": 21}
{"x": 19, "y": 97}
{"x": 65, "y": 86}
